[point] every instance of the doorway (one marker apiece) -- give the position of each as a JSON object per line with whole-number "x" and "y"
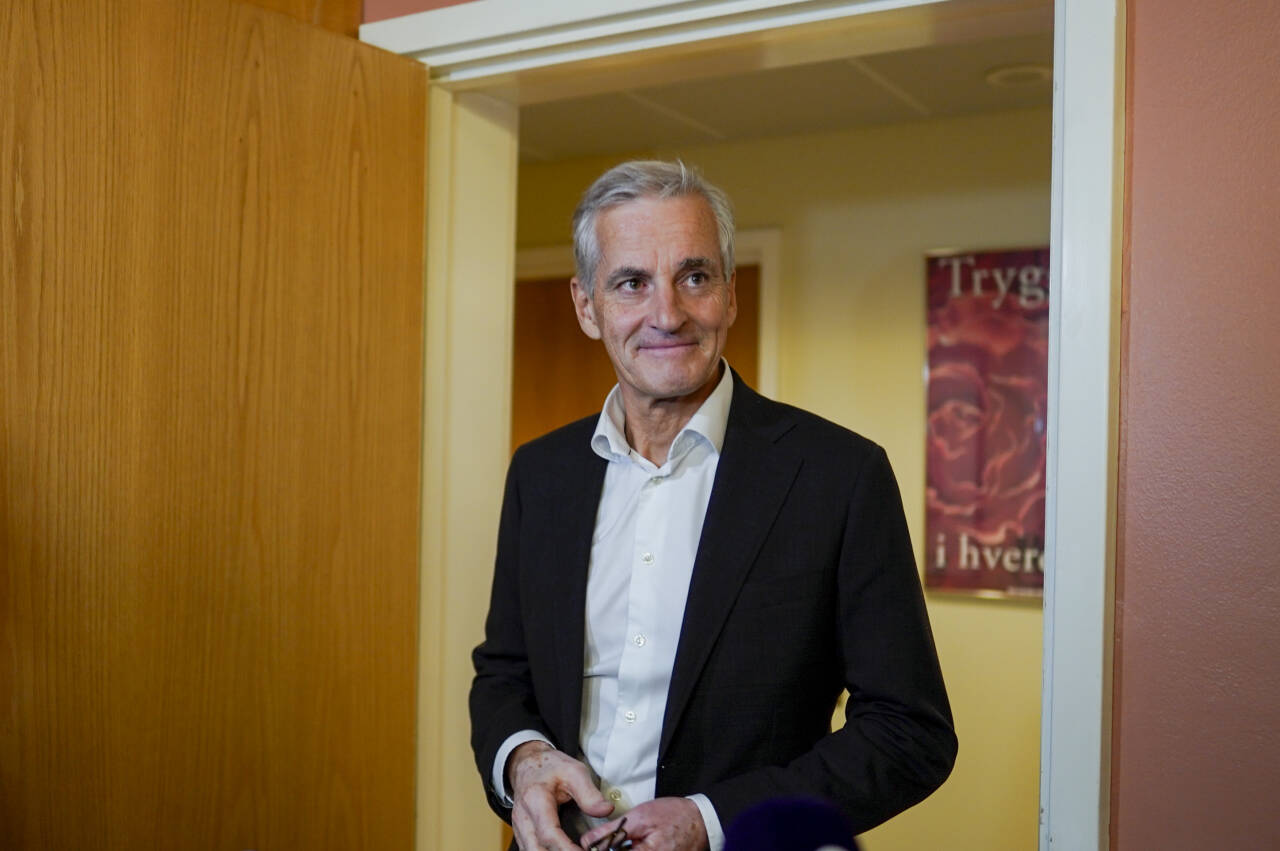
{"x": 857, "y": 209}
{"x": 1087, "y": 145}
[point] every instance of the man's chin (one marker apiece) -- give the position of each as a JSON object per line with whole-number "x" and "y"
{"x": 675, "y": 388}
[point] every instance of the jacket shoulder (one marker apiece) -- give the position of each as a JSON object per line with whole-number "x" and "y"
{"x": 563, "y": 445}
{"x": 804, "y": 431}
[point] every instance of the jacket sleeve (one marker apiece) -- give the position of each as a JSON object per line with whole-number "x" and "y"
{"x": 502, "y": 698}
{"x": 898, "y": 742}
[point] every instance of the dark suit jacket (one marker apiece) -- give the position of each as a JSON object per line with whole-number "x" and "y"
{"x": 804, "y": 584}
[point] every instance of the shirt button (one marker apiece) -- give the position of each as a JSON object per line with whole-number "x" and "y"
{"x": 639, "y": 639}
{"x": 615, "y": 795}
{"x": 647, "y": 558}
{"x": 630, "y": 716}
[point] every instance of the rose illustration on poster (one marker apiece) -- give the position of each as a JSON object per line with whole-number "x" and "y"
{"x": 987, "y": 389}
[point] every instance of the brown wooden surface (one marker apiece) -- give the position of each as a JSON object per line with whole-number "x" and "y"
{"x": 340, "y": 16}
{"x": 210, "y": 337}
{"x": 561, "y": 374}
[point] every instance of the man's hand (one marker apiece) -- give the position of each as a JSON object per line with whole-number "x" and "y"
{"x": 542, "y": 778}
{"x": 665, "y": 824}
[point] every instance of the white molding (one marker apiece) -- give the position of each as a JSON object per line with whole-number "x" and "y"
{"x": 762, "y": 247}
{"x": 1088, "y": 173}
{"x": 489, "y": 38}
{"x": 471, "y": 203}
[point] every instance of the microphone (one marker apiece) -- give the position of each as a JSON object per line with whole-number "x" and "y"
{"x": 790, "y": 824}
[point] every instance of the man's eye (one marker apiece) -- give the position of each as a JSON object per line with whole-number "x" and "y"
{"x": 699, "y": 278}
{"x": 630, "y": 285}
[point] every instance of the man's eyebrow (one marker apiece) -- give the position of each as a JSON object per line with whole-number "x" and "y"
{"x": 623, "y": 273}
{"x": 698, "y": 264}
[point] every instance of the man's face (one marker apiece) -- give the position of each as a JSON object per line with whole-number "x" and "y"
{"x": 661, "y": 303}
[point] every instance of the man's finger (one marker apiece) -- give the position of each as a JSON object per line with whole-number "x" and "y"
{"x": 523, "y": 829}
{"x": 588, "y": 798}
{"x": 554, "y": 839}
{"x": 593, "y": 836}
{"x": 545, "y": 820}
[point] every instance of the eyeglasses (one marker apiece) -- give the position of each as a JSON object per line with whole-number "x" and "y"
{"x": 616, "y": 841}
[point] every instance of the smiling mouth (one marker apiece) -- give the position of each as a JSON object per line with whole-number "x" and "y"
{"x": 668, "y": 349}
{"x": 674, "y": 344}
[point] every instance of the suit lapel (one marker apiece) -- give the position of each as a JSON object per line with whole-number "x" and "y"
{"x": 752, "y": 481}
{"x": 566, "y": 589}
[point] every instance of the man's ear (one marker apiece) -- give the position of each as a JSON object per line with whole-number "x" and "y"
{"x": 585, "y": 309}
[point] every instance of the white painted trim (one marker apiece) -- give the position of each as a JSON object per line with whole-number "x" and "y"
{"x": 487, "y": 38}
{"x": 762, "y": 247}
{"x": 1088, "y": 173}
{"x": 471, "y": 204}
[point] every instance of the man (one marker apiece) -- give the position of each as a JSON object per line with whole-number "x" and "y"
{"x": 685, "y": 583}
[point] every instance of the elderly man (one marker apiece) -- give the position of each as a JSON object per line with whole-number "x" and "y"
{"x": 686, "y": 583}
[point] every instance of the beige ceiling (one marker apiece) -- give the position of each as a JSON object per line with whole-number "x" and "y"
{"x": 907, "y": 85}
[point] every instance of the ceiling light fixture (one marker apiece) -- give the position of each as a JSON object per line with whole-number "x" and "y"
{"x": 1019, "y": 76}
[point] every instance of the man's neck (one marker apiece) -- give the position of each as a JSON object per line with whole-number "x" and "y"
{"x": 651, "y": 425}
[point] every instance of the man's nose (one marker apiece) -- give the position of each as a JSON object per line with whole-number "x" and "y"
{"x": 668, "y": 312}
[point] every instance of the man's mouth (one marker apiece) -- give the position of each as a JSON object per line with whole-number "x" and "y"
{"x": 667, "y": 346}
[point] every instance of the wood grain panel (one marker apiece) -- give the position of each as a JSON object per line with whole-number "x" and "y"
{"x": 340, "y": 16}
{"x": 560, "y": 374}
{"x": 210, "y": 338}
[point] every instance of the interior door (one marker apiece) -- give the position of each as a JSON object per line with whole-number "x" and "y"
{"x": 211, "y": 230}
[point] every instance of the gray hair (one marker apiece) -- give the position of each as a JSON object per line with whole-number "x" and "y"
{"x": 638, "y": 179}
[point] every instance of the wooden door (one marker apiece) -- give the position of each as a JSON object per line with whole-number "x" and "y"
{"x": 210, "y": 339}
{"x": 560, "y": 374}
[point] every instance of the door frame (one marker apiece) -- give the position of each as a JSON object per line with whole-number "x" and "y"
{"x": 473, "y": 47}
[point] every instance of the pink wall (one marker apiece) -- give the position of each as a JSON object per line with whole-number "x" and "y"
{"x": 380, "y": 10}
{"x": 1196, "y": 755}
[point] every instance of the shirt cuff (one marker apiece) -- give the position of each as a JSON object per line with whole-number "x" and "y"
{"x": 711, "y": 821}
{"x": 499, "y": 776}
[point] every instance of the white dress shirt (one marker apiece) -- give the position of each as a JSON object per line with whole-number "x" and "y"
{"x": 647, "y": 529}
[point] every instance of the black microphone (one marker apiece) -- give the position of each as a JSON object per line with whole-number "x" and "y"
{"x": 790, "y": 824}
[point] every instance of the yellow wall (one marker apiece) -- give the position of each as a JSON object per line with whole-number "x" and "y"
{"x": 857, "y": 211}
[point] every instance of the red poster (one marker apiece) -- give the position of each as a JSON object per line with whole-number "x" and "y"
{"x": 987, "y": 391}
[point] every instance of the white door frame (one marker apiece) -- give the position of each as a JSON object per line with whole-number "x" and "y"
{"x": 1084, "y": 356}
{"x": 488, "y": 44}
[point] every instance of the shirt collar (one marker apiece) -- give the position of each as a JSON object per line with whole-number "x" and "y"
{"x": 709, "y": 422}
